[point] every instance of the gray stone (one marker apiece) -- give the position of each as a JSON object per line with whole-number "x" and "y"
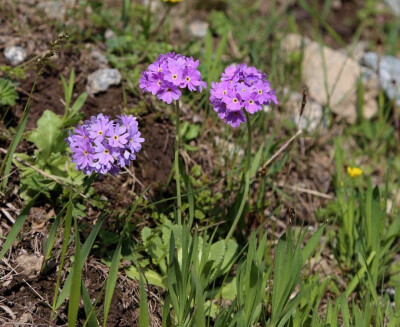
{"x": 198, "y": 28}
{"x": 15, "y": 55}
{"x": 389, "y": 73}
{"x": 394, "y": 5}
{"x": 101, "y": 79}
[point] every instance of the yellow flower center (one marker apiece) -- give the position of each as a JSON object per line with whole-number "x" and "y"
{"x": 115, "y": 137}
{"x": 85, "y": 153}
{"x": 174, "y": 76}
{"x": 100, "y": 133}
{"x": 106, "y": 151}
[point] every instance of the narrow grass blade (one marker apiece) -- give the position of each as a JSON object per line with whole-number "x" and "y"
{"x": 91, "y": 319}
{"x": 111, "y": 281}
{"x": 51, "y": 239}
{"x": 5, "y": 167}
{"x": 199, "y": 315}
{"x": 67, "y": 232}
{"x": 84, "y": 254}
{"x": 12, "y": 235}
{"x": 75, "y": 290}
{"x": 354, "y": 282}
{"x": 144, "y": 318}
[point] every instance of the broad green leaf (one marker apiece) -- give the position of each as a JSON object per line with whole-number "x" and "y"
{"x": 48, "y": 136}
{"x": 8, "y": 93}
{"x": 151, "y": 276}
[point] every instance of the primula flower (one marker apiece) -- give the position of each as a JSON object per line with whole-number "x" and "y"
{"x": 354, "y": 172}
{"x": 169, "y": 74}
{"x": 104, "y": 146}
{"x": 241, "y": 88}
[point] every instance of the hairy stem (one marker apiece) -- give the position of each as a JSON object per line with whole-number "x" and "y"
{"x": 246, "y": 178}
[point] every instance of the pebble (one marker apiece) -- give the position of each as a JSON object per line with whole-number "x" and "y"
{"x": 198, "y": 28}
{"x": 389, "y": 73}
{"x": 101, "y": 79}
{"x": 15, "y": 55}
{"x": 108, "y": 34}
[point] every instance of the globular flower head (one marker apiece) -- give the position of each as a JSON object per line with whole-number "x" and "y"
{"x": 103, "y": 145}
{"x": 170, "y": 74}
{"x": 241, "y": 88}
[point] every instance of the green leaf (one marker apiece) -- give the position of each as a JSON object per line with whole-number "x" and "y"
{"x": 144, "y": 318}
{"x": 8, "y": 93}
{"x": 111, "y": 281}
{"x": 89, "y": 309}
{"x": 151, "y": 276}
{"x": 312, "y": 244}
{"x": 84, "y": 254}
{"x": 48, "y": 136}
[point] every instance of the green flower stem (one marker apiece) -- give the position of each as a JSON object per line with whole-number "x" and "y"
{"x": 246, "y": 178}
{"x": 177, "y": 174}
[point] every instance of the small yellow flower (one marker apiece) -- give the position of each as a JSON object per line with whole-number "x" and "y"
{"x": 354, "y": 172}
{"x": 172, "y": 1}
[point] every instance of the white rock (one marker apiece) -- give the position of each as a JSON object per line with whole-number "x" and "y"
{"x": 108, "y": 34}
{"x": 15, "y": 55}
{"x": 313, "y": 114}
{"x": 394, "y": 5}
{"x": 331, "y": 78}
{"x": 101, "y": 79}
{"x": 389, "y": 73}
{"x": 198, "y": 28}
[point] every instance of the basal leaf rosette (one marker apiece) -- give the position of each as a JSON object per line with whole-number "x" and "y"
{"x": 241, "y": 88}
{"x": 103, "y": 145}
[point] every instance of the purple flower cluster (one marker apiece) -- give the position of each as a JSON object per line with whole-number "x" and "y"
{"x": 241, "y": 87}
{"x": 103, "y": 145}
{"x": 170, "y": 73}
